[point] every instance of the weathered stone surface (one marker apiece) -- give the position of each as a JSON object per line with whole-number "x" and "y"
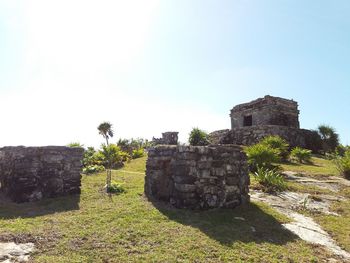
{"x": 266, "y": 111}
{"x": 32, "y": 173}
{"x": 198, "y": 177}
{"x": 255, "y": 120}
{"x": 11, "y": 252}
{"x": 168, "y": 138}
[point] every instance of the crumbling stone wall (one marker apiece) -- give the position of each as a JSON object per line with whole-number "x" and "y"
{"x": 168, "y": 138}
{"x": 253, "y": 135}
{"x": 32, "y": 173}
{"x": 198, "y": 177}
{"x": 266, "y": 111}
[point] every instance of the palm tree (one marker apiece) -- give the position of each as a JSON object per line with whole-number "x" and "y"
{"x": 329, "y": 137}
{"x": 105, "y": 129}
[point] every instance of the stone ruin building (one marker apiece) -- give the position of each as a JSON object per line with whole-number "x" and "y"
{"x": 168, "y": 138}
{"x": 252, "y": 121}
{"x": 203, "y": 177}
{"x": 197, "y": 177}
{"x": 33, "y": 173}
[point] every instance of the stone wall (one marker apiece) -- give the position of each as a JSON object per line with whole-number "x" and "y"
{"x": 252, "y": 135}
{"x": 168, "y": 138}
{"x": 32, "y": 173}
{"x": 266, "y": 111}
{"x": 197, "y": 177}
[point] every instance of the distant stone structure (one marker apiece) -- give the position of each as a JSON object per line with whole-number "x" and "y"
{"x": 251, "y": 122}
{"x": 266, "y": 111}
{"x": 168, "y": 138}
{"x": 197, "y": 177}
{"x": 33, "y": 173}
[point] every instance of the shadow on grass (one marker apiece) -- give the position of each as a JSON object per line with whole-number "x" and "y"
{"x": 11, "y": 210}
{"x": 247, "y": 223}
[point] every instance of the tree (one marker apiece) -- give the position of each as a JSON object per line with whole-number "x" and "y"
{"x": 105, "y": 129}
{"x": 198, "y": 137}
{"x": 330, "y": 139}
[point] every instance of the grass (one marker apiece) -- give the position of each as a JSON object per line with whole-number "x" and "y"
{"x": 318, "y": 166}
{"x": 94, "y": 227}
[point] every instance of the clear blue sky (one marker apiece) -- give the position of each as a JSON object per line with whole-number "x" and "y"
{"x": 153, "y": 66}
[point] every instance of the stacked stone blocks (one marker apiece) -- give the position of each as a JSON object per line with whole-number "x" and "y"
{"x": 33, "y": 173}
{"x": 197, "y": 177}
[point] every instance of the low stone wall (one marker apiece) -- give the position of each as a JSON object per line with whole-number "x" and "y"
{"x": 254, "y": 134}
{"x": 198, "y": 177}
{"x": 32, "y": 173}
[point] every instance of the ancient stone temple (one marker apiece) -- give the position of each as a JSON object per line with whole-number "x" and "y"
{"x": 197, "y": 177}
{"x": 266, "y": 111}
{"x": 252, "y": 121}
{"x": 33, "y": 173}
{"x": 168, "y": 138}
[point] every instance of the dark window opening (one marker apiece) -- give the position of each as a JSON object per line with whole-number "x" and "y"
{"x": 248, "y": 120}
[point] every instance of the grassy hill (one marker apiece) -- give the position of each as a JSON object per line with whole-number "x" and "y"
{"x": 94, "y": 227}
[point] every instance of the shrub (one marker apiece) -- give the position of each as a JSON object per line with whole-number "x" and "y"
{"x": 124, "y": 156}
{"x": 75, "y": 145}
{"x": 343, "y": 164}
{"x": 116, "y": 188}
{"x": 271, "y": 180}
{"x": 138, "y": 153}
{"x": 198, "y": 137}
{"x": 111, "y": 155}
{"x": 276, "y": 142}
{"x": 88, "y": 157}
{"x": 260, "y": 155}
{"x": 301, "y": 155}
{"x": 91, "y": 169}
{"x": 341, "y": 150}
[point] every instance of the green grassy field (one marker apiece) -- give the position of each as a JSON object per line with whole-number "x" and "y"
{"x": 94, "y": 227}
{"x": 317, "y": 167}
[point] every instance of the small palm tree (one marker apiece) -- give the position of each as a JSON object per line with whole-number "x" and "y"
{"x": 105, "y": 129}
{"x": 330, "y": 139}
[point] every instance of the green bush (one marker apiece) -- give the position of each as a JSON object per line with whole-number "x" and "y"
{"x": 271, "y": 180}
{"x": 116, "y": 188}
{"x": 301, "y": 155}
{"x": 111, "y": 156}
{"x": 198, "y": 137}
{"x": 276, "y": 142}
{"x": 260, "y": 155}
{"x": 91, "y": 169}
{"x": 124, "y": 156}
{"x": 138, "y": 153}
{"x": 343, "y": 164}
{"x": 75, "y": 145}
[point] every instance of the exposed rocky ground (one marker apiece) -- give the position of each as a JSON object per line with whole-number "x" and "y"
{"x": 12, "y": 252}
{"x": 293, "y": 204}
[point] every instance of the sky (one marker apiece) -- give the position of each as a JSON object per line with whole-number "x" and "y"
{"x": 166, "y": 65}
